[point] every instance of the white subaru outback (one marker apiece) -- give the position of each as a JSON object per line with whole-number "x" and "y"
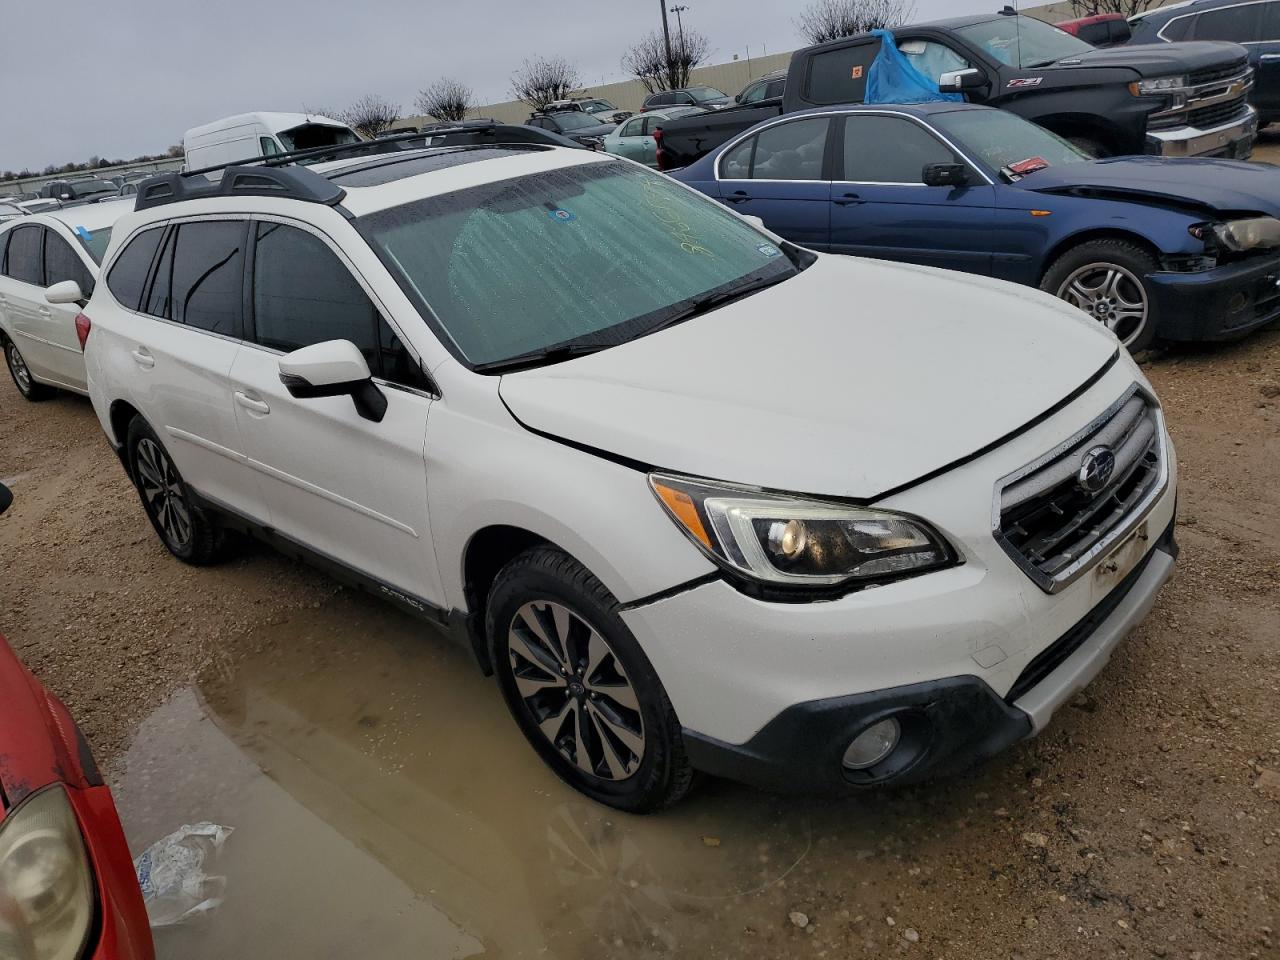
{"x": 799, "y": 520}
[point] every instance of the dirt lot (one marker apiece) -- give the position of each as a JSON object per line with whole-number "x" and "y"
{"x": 1144, "y": 822}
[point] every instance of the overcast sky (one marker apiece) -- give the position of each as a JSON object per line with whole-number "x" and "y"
{"x": 131, "y": 76}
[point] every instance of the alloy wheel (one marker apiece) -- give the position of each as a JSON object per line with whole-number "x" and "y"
{"x": 162, "y": 491}
{"x": 18, "y": 367}
{"x": 574, "y": 687}
{"x": 1112, "y": 295}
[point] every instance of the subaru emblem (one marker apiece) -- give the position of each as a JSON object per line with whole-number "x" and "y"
{"x": 1096, "y": 469}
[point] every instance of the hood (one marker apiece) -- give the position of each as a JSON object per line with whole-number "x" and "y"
{"x": 1160, "y": 59}
{"x": 39, "y": 743}
{"x": 599, "y": 130}
{"x": 1220, "y": 186}
{"x": 851, "y": 379}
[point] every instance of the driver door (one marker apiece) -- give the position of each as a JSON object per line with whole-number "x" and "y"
{"x": 350, "y": 489}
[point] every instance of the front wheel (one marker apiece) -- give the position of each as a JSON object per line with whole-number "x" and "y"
{"x": 1107, "y": 279}
{"x": 22, "y": 379}
{"x": 579, "y": 686}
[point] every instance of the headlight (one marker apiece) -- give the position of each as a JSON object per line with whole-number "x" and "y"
{"x": 794, "y": 541}
{"x": 1157, "y": 86}
{"x": 46, "y": 887}
{"x": 1256, "y": 233}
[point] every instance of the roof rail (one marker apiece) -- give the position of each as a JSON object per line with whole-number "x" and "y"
{"x": 295, "y": 183}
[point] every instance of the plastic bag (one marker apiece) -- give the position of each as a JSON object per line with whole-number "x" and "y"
{"x": 892, "y": 78}
{"x": 172, "y": 874}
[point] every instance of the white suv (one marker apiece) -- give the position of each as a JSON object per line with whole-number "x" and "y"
{"x": 801, "y": 520}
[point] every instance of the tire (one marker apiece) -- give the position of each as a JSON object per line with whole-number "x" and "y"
{"x": 187, "y": 532}
{"x": 1107, "y": 280}
{"x": 629, "y": 752}
{"x": 22, "y": 378}
{"x": 1094, "y": 148}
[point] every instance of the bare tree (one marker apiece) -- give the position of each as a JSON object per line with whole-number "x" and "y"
{"x": 370, "y": 115}
{"x": 446, "y": 99}
{"x": 1126, "y": 8}
{"x": 539, "y": 81}
{"x": 647, "y": 60}
{"x": 825, "y": 20}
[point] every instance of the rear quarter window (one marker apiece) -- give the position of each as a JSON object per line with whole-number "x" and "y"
{"x": 24, "y": 261}
{"x": 128, "y": 275}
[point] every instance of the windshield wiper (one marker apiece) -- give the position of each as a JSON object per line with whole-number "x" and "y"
{"x": 540, "y": 357}
{"x": 713, "y": 300}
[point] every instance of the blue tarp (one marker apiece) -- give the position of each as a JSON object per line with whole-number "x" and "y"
{"x": 892, "y": 78}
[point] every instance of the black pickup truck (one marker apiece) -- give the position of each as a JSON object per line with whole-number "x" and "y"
{"x": 1173, "y": 100}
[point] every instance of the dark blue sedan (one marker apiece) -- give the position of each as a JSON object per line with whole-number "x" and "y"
{"x": 1176, "y": 249}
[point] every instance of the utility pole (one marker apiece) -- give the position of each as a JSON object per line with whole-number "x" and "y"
{"x": 677, "y": 10}
{"x": 666, "y": 34}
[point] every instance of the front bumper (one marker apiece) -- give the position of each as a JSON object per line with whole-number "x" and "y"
{"x": 1219, "y": 304}
{"x": 948, "y": 725}
{"x": 1233, "y": 140}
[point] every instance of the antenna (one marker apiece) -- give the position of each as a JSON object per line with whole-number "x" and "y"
{"x": 1017, "y": 20}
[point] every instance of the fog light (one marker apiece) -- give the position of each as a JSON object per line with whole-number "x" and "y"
{"x": 872, "y": 745}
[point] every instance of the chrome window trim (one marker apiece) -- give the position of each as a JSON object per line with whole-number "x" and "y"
{"x": 1126, "y": 526}
{"x": 1196, "y": 13}
{"x": 756, "y": 131}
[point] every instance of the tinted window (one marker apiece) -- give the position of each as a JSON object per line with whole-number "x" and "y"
{"x": 661, "y": 98}
{"x": 1240, "y": 24}
{"x": 61, "y": 262}
{"x": 128, "y": 274}
{"x": 24, "y": 261}
{"x": 736, "y": 164}
{"x": 207, "y": 276}
{"x": 753, "y": 93}
{"x": 775, "y": 89}
{"x": 1270, "y": 21}
{"x": 303, "y": 294}
{"x": 158, "y": 300}
{"x": 4, "y": 247}
{"x": 889, "y": 150}
{"x": 791, "y": 151}
{"x": 840, "y": 76}
{"x": 1177, "y": 29}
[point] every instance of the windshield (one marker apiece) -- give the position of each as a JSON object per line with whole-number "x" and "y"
{"x": 84, "y": 188}
{"x": 702, "y": 94}
{"x": 316, "y": 135}
{"x": 575, "y": 121}
{"x": 94, "y": 241}
{"x": 1023, "y": 41}
{"x": 1001, "y": 138}
{"x": 500, "y": 266}
{"x": 595, "y": 106}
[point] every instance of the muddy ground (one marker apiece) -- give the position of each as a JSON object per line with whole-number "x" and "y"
{"x": 345, "y": 740}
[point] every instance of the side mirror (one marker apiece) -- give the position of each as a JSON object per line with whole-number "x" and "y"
{"x": 945, "y": 175}
{"x": 6, "y": 498}
{"x": 65, "y": 291}
{"x": 64, "y": 196}
{"x": 335, "y": 368}
{"x": 957, "y": 81}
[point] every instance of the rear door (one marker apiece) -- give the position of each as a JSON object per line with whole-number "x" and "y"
{"x": 175, "y": 342}
{"x": 1264, "y": 53}
{"x": 22, "y": 299}
{"x": 62, "y": 262}
{"x": 882, "y": 208}
{"x": 349, "y": 488}
{"x": 781, "y": 176}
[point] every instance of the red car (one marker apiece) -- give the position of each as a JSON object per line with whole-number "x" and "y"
{"x": 67, "y": 886}
{"x": 1102, "y": 30}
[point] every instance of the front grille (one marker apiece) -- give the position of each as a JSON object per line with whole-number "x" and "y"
{"x": 1201, "y": 77}
{"x": 1219, "y": 113}
{"x": 1053, "y": 520}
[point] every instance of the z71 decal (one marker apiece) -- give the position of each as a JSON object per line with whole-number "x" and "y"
{"x": 1026, "y": 82}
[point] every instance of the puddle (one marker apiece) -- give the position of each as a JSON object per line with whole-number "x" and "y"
{"x": 385, "y": 806}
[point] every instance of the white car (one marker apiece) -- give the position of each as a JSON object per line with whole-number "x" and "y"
{"x": 802, "y": 520}
{"x": 48, "y": 269}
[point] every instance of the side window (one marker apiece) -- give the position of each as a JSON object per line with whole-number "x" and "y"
{"x": 159, "y": 299}
{"x": 128, "y": 275}
{"x": 753, "y": 93}
{"x": 303, "y": 294}
{"x": 632, "y": 127}
{"x": 208, "y": 275}
{"x": 791, "y": 151}
{"x": 1179, "y": 28}
{"x": 736, "y": 164}
{"x": 775, "y": 89}
{"x": 24, "y": 261}
{"x": 4, "y": 249}
{"x": 889, "y": 150}
{"x": 840, "y": 75}
{"x": 268, "y": 146}
{"x": 63, "y": 263}
{"x": 1270, "y": 21}
{"x": 1241, "y": 24}
{"x": 931, "y": 58}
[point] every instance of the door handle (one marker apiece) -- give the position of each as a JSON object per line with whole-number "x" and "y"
{"x": 848, "y": 200}
{"x": 738, "y": 196}
{"x": 143, "y": 358}
{"x": 45, "y": 312}
{"x": 252, "y": 403}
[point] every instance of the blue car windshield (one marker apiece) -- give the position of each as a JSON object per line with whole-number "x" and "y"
{"x": 1001, "y": 139}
